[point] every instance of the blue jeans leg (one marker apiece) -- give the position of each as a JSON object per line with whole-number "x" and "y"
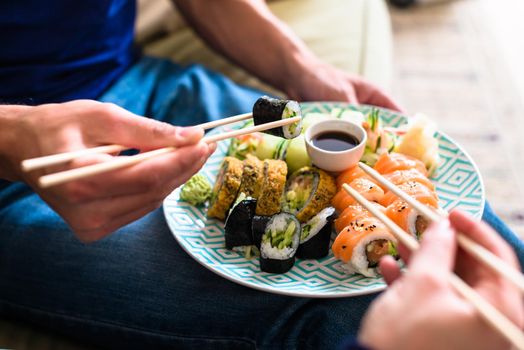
{"x": 138, "y": 288}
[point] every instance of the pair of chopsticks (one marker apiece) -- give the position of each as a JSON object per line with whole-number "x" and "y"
{"x": 121, "y": 162}
{"x": 490, "y": 314}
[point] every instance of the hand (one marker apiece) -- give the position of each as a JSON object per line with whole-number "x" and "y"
{"x": 322, "y": 82}
{"x": 98, "y": 205}
{"x": 420, "y": 310}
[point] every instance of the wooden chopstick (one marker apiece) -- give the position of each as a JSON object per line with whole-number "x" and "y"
{"x": 54, "y": 159}
{"x": 79, "y": 173}
{"x": 476, "y": 250}
{"x": 489, "y": 313}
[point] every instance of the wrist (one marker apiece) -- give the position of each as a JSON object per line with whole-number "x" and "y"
{"x": 9, "y": 119}
{"x": 302, "y": 68}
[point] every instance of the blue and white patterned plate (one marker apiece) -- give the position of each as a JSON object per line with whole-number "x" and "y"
{"x": 458, "y": 182}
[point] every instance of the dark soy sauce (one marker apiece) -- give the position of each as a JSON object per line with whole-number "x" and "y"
{"x": 335, "y": 141}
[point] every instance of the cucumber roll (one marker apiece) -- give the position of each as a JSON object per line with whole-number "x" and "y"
{"x": 258, "y": 227}
{"x": 238, "y": 224}
{"x": 316, "y": 235}
{"x": 226, "y": 188}
{"x": 279, "y": 243}
{"x": 308, "y": 191}
{"x": 267, "y": 109}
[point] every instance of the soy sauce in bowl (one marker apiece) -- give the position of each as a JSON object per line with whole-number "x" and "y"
{"x": 335, "y": 141}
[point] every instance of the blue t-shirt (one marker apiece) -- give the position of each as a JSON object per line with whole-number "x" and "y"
{"x": 60, "y": 50}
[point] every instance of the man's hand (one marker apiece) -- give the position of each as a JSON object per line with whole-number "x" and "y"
{"x": 315, "y": 80}
{"x": 421, "y": 310}
{"x": 249, "y": 34}
{"x": 98, "y": 205}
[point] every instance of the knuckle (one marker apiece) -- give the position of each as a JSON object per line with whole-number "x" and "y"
{"x": 159, "y": 129}
{"x": 430, "y": 281}
{"x": 75, "y": 193}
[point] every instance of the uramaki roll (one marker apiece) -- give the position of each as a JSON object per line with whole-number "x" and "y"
{"x": 226, "y": 188}
{"x": 274, "y": 183}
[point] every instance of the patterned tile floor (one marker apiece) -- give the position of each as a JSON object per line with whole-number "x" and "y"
{"x": 456, "y": 62}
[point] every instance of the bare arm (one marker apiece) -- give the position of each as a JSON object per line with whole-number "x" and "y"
{"x": 248, "y": 33}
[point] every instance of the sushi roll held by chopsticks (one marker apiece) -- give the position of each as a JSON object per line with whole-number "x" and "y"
{"x": 267, "y": 109}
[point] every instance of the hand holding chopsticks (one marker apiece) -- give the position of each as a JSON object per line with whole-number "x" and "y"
{"x": 79, "y": 173}
{"x": 479, "y": 252}
{"x": 489, "y": 313}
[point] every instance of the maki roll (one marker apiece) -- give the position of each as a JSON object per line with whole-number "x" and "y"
{"x": 226, "y": 188}
{"x": 362, "y": 244}
{"x": 267, "y": 109}
{"x": 274, "y": 183}
{"x": 279, "y": 243}
{"x": 258, "y": 227}
{"x": 238, "y": 224}
{"x": 252, "y": 176}
{"x": 308, "y": 191}
{"x": 316, "y": 235}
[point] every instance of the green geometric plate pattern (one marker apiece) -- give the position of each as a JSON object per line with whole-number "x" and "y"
{"x": 458, "y": 182}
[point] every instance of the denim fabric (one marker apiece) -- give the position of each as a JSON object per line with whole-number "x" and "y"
{"x": 137, "y": 288}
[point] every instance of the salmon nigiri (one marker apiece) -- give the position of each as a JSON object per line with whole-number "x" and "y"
{"x": 352, "y": 214}
{"x": 389, "y": 162}
{"x": 415, "y": 190}
{"x": 398, "y": 177}
{"x": 351, "y": 174}
{"x": 370, "y": 190}
{"x": 360, "y": 247}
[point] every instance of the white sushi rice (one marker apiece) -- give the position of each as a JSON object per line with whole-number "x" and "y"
{"x": 292, "y": 107}
{"x": 317, "y": 222}
{"x": 359, "y": 261}
{"x": 412, "y": 222}
{"x": 267, "y": 251}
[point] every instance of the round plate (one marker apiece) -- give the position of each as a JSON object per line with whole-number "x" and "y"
{"x": 458, "y": 182}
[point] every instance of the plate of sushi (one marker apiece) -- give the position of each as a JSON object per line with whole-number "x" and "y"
{"x": 262, "y": 214}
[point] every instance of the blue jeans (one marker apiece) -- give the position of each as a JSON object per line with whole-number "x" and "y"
{"x": 137, "y": 288}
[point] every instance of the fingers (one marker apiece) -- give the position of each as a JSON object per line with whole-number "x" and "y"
{"x": 370, "y": 94}
{"x": 483, "y": 234}
{"x": 150, "y": 175}
{"x": 437, "y": 251}
{"x": 389, "y": 269}
{"x": 123, "y": 127}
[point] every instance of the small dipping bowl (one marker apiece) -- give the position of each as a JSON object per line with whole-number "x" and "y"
{"x": 335, "y": 161}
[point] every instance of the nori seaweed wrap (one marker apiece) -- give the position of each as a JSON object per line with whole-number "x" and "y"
{"x": 308, "y": 191}
{"x": 279, "y": 243}
{"x": 267, "y": 109}
{"x": 258, "y": 227}
{"x": 316, "y": 235}
{"x": 238, "y": 224}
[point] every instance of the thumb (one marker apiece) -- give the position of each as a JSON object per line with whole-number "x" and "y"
{"x": 144, "y": 133}
{"x": 437, "y": 250}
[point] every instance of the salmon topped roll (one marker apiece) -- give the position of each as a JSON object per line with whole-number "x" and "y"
{"x": 416, "y": 190}
{"x": 389, "y": 162}
{"x": 353, "y": 213}
{"x": 351, "y": 174}
{"x": 398, "y": 177}
{"x": 407, "y": 218}
{"x": 361, "y": 246}
{"x": 368, "y": 189}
